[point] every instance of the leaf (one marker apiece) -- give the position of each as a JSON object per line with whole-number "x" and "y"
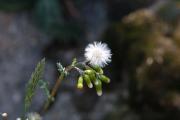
{"x": 60, "y": 67}
{"x": 44, "y": 85}
{"x": 33, "y": 83}
{"x": 74, "y": 62}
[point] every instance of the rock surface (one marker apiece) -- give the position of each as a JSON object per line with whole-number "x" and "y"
{"x": 20, "y": 49}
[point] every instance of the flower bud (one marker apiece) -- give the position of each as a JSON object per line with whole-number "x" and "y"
{"x": 95, "y": 81}
{"x": 88, "y": 81}
{"x": 98, "y": 69}
{"x": 91, "y": 74}
{"x": 80, "y": 82}
{"x": 99, "y": 88}
{"x": 104, "y": 78}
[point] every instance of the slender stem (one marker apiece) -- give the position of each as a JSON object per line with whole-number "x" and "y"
{"x": 55, "y": 89}
{"x": 56, "y": 86}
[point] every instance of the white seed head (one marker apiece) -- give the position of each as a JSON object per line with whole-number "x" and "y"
{"x": 33, "y": 116}
{"x": 98, "y": 54}
{"x": 4, "y": 114}
{"x": 18, "y": 118}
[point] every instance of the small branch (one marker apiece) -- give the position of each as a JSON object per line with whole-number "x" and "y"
{"x": 55, "y": 89}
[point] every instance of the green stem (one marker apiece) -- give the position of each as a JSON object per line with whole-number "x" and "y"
{"x": 55, "y": 89}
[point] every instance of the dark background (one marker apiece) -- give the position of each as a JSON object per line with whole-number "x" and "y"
{"x": 144, "y": 36}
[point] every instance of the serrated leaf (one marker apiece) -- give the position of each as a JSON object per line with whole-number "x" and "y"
{"x": 45, "y": 86}
{"x": 60, "y": 67}
{"x": 33, "y": 83}
{"x": 74, "y": 62}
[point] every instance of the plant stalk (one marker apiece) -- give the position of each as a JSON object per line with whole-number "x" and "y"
{"x": 55, "y": 89}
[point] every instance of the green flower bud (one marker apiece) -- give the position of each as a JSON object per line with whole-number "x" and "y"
{"x": 88, "y": 81}
{"x": 99, "y": 88}
{"x": 92, "y": 77}
{"x": 98, "y": 69}
{"x": 95, "y": 81}
{"x": 104, "y": 78}
{"x": 91, "y": 74}
{"x": 80, "y": 82}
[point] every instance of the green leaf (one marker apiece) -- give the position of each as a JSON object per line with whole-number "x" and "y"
{"x": 74, "y": 62}
{"x": 60, "y": 67}
{"x": 33, "y": 83}
{"x": 45, "y": 86}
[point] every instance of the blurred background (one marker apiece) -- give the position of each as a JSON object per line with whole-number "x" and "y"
{"x": 144, "y": 36}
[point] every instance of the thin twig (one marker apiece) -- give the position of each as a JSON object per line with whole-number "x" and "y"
{"x": 55, "y": 89}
